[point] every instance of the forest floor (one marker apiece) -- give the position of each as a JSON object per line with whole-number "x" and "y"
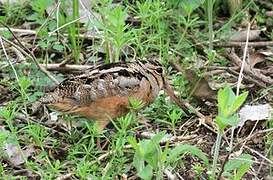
{"x": 201, "y": 46}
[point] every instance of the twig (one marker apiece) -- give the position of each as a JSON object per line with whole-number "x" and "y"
{"x": 259, "y": 154}
{"x": 172, "y": 139}
{"x": 169, "y": 174}
{"x": 252, "y": 71}
{"x": 32, "y": 56}
{"x": 32, "y": 32}
{"x": 65, "y": 176}
{"x": 242, "y": 44}
{"x": 237, "y": 145}
{"x": 269, "y": 150}
{"x": 66, "y": 67}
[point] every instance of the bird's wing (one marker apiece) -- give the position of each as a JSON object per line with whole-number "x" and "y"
{"x": 102, "y": 82}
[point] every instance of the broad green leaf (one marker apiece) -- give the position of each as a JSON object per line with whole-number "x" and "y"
{"x": 186, "y": 148}
{"x": 157, "y": 138}
{"x": 231, "y": 120}
{"x": 226, "y": 98}
{"x": 58, "y": 47}
{"x": 138, "y": 162}
{"x": 241, "y": 164}
{"x": 238, "y": 102}
{"x": 146, "y": 173}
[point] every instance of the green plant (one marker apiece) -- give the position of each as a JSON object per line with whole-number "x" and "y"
{"x": 149, "y": 158}
{"x": 38, "y": 134}
{"x": 39, "y": 8}
{"x": 74, "y": 32}
{"x": 228, "y": 104}
{"x": 187, "y": 21}
{"x": 239, "y": 166}
{"x": 13, "y": 13}
{"x": 269, "y": 145}
{"x": 8, "y": 113}
{"x": 114, "y": 30}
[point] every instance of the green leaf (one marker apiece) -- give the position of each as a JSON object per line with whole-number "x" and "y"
{"x": 58, "y": 47}
{"x": 226, "y": 98}
{"x": 186, "y": 148}
{"x": 241, "y": 164}
{"x": 133, "y": 142}
{"x": 220, "y": 123}
{"x": 222, "y": 97}
{"x": 138, "y": 162}
{"x": 24, "y": 83}
{"x": 146, "y": 173}
{"x": 238, "y": 102}
{"x": 231, "y": 120}
{"x": 190, "y": 5}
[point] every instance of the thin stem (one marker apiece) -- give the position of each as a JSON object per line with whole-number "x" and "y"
{"x": 216, "y": 152}
{"x": 210, "y": 21}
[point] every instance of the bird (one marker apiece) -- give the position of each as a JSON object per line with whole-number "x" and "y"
{"x": 102, "y": 93}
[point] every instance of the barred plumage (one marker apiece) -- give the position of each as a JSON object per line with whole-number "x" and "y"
{"x": 102, "y": 93}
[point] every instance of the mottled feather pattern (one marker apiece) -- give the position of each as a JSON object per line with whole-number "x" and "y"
{"x": 103, "y": 92}
{"x": 118, "y": 79}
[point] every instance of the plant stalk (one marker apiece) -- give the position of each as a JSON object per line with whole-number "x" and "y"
{"x": 216, "y": 152}
{"x": 210, "y": 25}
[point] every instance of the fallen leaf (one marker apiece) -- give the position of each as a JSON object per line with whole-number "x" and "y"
{"x": 242, "y": 35}
{"x": 200, "y": 88}
{"x": 254, "y": 113}
{"x": 259, "y": 57}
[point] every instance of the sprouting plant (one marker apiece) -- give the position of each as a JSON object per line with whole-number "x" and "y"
{"x": 37, "y": 133}
{"x": 237, "y": 167}
{"x": 228, "y": 104}
{"x": 187, "y": 8}
{"x": 174, "y": 116}
{"x": 153, "y": 27}
{"x": 114, "y": 30}
{"x": 150, "y": 158}
{"x": 39, "y": 7}
{"x": 13, "y": 13}
{"x": 8, "y": 114}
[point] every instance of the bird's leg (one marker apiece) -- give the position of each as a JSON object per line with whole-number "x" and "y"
{"x": 101, "y": 124}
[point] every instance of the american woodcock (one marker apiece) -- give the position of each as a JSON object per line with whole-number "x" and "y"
{"x": 102, "y": 93}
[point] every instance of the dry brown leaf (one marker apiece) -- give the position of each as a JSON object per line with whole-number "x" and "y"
{"x": 259, "y": 57}
{"x": 242, "y": 35}
{"x": 200, "y": 87}
{"x": 15, "y": 155}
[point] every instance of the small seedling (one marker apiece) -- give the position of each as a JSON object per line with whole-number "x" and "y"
{"x": 237, "y": 167}
{"x": 228, "y": 104}
{"x": 150, "y": 159}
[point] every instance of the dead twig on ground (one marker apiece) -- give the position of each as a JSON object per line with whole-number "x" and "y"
{"x": 242, "y": 44}
{"x": 237, "y": 145}
{"x": 65, "y": 176}
{"x": 33, "y": 32}
{"x": 66, "y": 67}
{"x": 31, "y": 55}
{"x": 256, "y": 73}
